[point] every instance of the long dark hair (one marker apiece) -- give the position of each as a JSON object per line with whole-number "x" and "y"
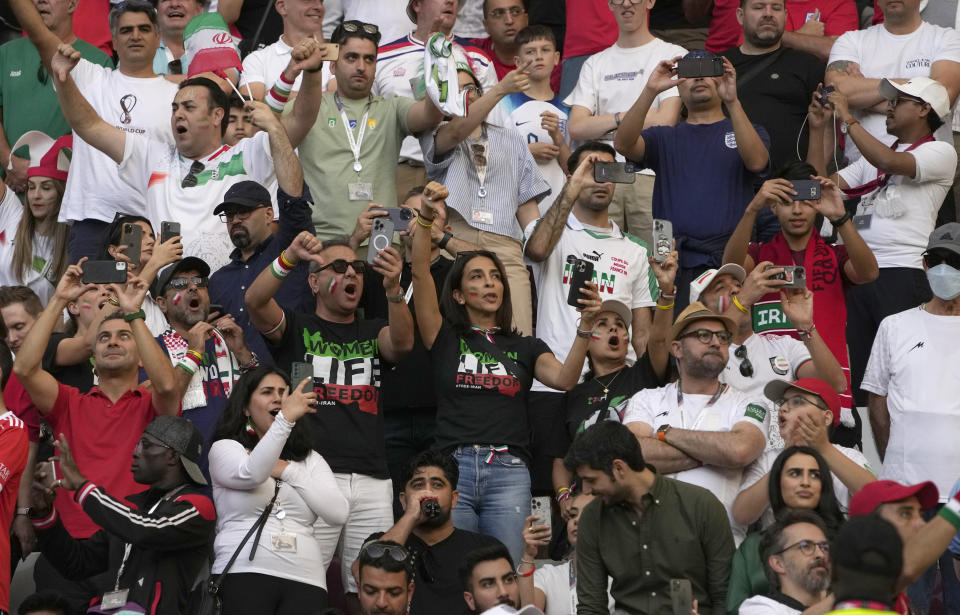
{"x": 233, "y": 422}
{"x": 455, "y": 313}
{"x": 827, "y": 508}
{"x": 114, "y": 231}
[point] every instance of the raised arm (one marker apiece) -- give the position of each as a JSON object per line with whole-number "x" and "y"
{"x": 658, "y": 350}
{"x": 547, "y": 232}
{"x": 285, "y": 161}
{"x": 396, "y": 339}
{"x": 423, "y": 115}
{"x": 798, "y": 308}
{"x": 564, "y": 376}
{"x": 861, "y": 267}
{"x": 628, "y": 140}
{"x": 845, "y": 76}
{"x": 875, "y": 151}
{"x": 749, "y": 144}
{"x": 306, "y": 56}
{"x": 429, "y": 319}
{"x": 772, "y": 191}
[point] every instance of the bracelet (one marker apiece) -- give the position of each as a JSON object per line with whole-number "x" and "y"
{"x": 949, "y": 511}
{"x": 279, "y": 94}
{"x": 185, "y": 365}
{"x": 398, "y": 298}
{"x": 284, "y": 262}
{"x": 253, "y": 362}
{"x": 668, "y": 296}
{"x": 846, "y": 216}
{"x": 196, "y": 356}
{"x": 278, "y": 269}
{"x": 420, "y": 220}
{"x": 562, "y": 494}
{"x": 584, "y": 334}
{"x": 668, "y": 306}
{"x": 447, "y": 236}
{"x": 806, "y": 334}
{"x": 135, "y": 315}
{"x": 283, "y": 317}
{"x": 533, "y": 568}
{"x": 23, "y": 511}
{"x": 739, "y": 305}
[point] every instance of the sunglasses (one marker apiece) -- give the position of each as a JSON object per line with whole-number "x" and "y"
{"x": 340, "y": 266}
{"x": 357, "y": 26}
{"x": 191, "y": 180}
{"x": 705, "y": 336}
{"x": 182, "y": 283}
{"x": 932, "y": 259}
{"x": 376, "y": 550}
{"x": 746, "y": 367}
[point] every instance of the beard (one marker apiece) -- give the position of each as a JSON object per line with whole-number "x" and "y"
{"x": 815, "y": 582}
{"x": 240, "y": 238}
{"x": 709, "y": 365}
{"x": 764, "y": 41}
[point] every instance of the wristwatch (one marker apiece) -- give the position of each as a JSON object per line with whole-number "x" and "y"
{"x": 662, "y": 432}
{"x": 24, "y": 511}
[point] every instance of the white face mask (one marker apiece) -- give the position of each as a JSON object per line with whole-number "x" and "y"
{"x": 944, "y": 281}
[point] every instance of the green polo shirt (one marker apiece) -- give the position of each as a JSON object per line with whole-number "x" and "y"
{"x": 682, "y": 533}
{"x": 29, "y": 102}
{"x": 327, "y": 159}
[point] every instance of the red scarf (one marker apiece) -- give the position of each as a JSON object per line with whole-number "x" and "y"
{"x": 829, "y": 304}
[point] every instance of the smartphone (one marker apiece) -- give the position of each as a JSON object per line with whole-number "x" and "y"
{"x": 400, "y": 216}
{"x": 681, "y": 594}
{"x": 380, "y": 237}
{"x": 540, "y": 507}
{"x": 298, "y": 372}
{"x": 581, "y": 272}
{"x": 689, "y": 68}
{"x": 104, "y": 272}
{"x": 616, "y": 172}
{"x": 218, "y": 308}
{"x": 807, "y": 189}
{"x": 662, "y": 239}
{"x": 169, "y": 230}
{"x": 795, "y": 276}
{"x": 51, "y": 473}
{"x": 332, "y": 52}
{"x": 823, "y": 94}
{"x": 131, "y": 237}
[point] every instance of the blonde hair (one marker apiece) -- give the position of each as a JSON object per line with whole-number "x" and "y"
{"x": 23, "y": 243}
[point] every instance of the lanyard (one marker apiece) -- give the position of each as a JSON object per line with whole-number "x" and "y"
{"x": 883, "y": 178}
{"x": 721, "y": 389}
{"x": 129, "y": 546}
{"x": 479, "y": 159}
{"x": 355, "y": 142}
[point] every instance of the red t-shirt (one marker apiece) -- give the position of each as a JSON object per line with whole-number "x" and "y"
{"x": 13, "y": 459}
{"x": 590, "y": 28}
{"x": 486, "y": 44}
{"x": 16, "y": 400}
{"x": 91, "y": 22}
{"x": 838, "y": 16}
{"x": 102, "y": 435}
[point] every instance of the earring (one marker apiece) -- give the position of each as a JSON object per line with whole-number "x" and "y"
{"x": 250, "y": 429}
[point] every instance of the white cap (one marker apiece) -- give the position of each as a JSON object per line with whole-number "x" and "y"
{"x": 703, "y": 281}
{"x": 504, "y": 609}
{"x": 929, "y": 91}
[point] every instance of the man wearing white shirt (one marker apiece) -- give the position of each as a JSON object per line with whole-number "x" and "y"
{"x": 697, "y": 429}
{"x": 172, "y": 19}
{"x": 609, "y": 83}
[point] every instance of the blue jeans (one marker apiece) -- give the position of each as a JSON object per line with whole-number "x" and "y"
{"x": 494, "y": 497}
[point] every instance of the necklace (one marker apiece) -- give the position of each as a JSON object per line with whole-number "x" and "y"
{"x": 606, "y": 387}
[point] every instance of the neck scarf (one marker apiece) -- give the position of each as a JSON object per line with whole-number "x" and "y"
{"x": 227, "y": 366}
{"x": 488, "y": 333}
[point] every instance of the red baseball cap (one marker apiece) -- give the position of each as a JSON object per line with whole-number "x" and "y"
{"x": 880, "y": 492}
{"x": 776, "y": 388}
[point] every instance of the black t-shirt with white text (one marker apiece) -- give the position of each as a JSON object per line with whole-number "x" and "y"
{"x": 348, "y": 426}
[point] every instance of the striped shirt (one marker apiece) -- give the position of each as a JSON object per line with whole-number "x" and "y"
{"x": 512, "y": 178}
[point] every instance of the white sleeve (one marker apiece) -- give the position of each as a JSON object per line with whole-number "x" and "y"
{"x": 877, "y": 375}
{"x": 858, "y": 173}
{"x": 257, "y": 158}
{"x": 796, "y": 352}
{"x": 845, "y": 48}
{"x": 255, "y": 69}
{"x": 585, "y": 92}
{"x": 644, "y": 285}
{"x": 314, "y": 481}
{"x": 642, "y": 407}
{"x": 757, "y": 469}
{"x": 936, "y": 161}
{"x": 88, "y": 76}
{"x": 949, "y": 48}
{"x": 758, "y": 605}
{"x": 136, "y": 164}
{"x": 752, "y": 411}
{"x": 232, "y": 467}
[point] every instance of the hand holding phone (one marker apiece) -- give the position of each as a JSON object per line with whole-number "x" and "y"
{"x": 581, "y": 273}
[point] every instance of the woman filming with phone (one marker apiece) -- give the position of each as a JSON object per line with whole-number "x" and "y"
{"x": 483, "y": 370}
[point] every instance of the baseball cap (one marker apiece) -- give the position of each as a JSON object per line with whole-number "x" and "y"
{"x": 701, "y": 283}
{"x": 506, "y": 609}
{"x": 775, "y": 389}
{"x": 869, "y": 545}
{"x": 946, "y": 237}
{"x": 618, "y": 308}
{"x": 186, "y": 264}
{"x": 926, "y": 89}
{"x": 880, "y": 492}
{"x": 244, "y": 195}
{"x": 696, "y": 53}
{"x": 694, "y": 312}
{"x": 182, "y": 436}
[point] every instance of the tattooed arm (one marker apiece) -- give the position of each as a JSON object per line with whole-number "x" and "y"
{"x": 861, "y": 92}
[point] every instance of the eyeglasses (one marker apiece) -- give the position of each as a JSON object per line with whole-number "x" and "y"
{"x": 932, "y": 259}
{"x": 807, "y": 547}
{"x": 357, "y": 26}
{"x": 514, "y": 11}
{"x": 340, "y": 266}
{"x": 797, "y": 401}
{"x": 705, "y": 336}
{"x": 376, "y": 550}
{"x": 901, "y": 98}
{"x": 182, "y": 283}
{"x": 147, "y": 444}
{"x": 238, "y": 215}
{"x": 470, "y": 87}
{"x": 746, "y": 367}
{"x": 191, "y": 179}
{"x": 622, "y": 2}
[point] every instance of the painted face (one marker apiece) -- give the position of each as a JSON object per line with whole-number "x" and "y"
{"x": 356, "y": 67}
{"x": 467, "y": 83}
{"x": 504, "y": 19}
{"x": 174, "y": 15}
{"x": 430, "y": 482}
{"x": 576, "y": 508}
{"x": 800, "y": 483}
{"x": 43, "y": 196}
{"x": 610, "y": 339}
{"x": 481, "y": 286}
{"x": 114, "y": 347}
{"x": 719, "y": 294}
{"x": 18, "y": 323}
{"x": 265, "y": 402}
{"x": 195, "y": 125}
{"x": 87, "y": 304}
{"x": 905, "y": 515}
{"x": 493, "y": 582}
{"x": 136, "y": 39}
{"x": 542, "y": 57}
{"x": 763, "y": 21}
{"x": 382, "y": 592}
{"x": 339, "y": 292}
{"x": 188, "y": 306}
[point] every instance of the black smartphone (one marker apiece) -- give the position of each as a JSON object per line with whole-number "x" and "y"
{"x": 104, "y": 272}
{"x": 299, "y": 371}
{"x": 807, "y": 189}
{"x": 691, "y": 68}
{"x": 400, "y": 216}
{"x": 823, "y": 94}
{"x": 794, "y": 275}
{"x": 662, "y": 239}
{"x": 615, "y": 172}
{"x": 681, "y": 596}
{"x": 131, "y": 237}
{"x": 380, "y": 237}
{"x": 581, "y": 272}
{"x": 217, "y": 308}
{"x": 169, "y": 230}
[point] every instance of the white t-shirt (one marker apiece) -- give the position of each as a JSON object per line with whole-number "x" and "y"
{"x": 882, "y": 54}
{"x": 913, "y": 364}
{"x": 156, "y": 170}
{"x": 554, "y": 581}
{"x": 136, "y": 106}
{"x": 266, "y": 65}
{"x": 11, "y": 211}
{"x": 900, "y": 241}
{"x": 611, "y": 80}
{"x": 761, "y": 467}
{"x": 400, "y": 68}
{"x": 761, "y": 605}
{"x": 656, "y": 407}
{"x": 389, "y": 15}
{"x": 773, "y": 357}
{"x": 620, "y": 271}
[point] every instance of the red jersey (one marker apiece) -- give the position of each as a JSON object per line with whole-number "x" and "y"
{"x": 590, "y": 28}
{"x": 13, "y": 459}
{"x": 838, "y": 16}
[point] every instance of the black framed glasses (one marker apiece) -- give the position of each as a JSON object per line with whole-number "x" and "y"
{"x": 340, "y": 266}
{"x": 183, "y": 283}
{"x": 376, "y": 550}
{"x": 746, "y": 367}
{"x": 797, "y": 401}
{"x": 807, "y": 547}
{"x": 514, "y": 11}
{"x": 241, "y": 214}
{"x": 705, "y": 336}
{"x": 191, "y": 179}
{"x": 932, "y": 259}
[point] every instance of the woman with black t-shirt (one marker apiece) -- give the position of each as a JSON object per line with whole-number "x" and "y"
{"x": 482, "y": 371}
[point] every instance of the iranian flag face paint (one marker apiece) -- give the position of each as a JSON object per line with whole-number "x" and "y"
{"x": 331, "y": 286}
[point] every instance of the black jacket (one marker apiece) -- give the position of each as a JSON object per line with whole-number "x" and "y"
{"x": 169, "y": 546}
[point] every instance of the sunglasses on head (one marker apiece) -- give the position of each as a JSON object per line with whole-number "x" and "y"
{"x": 340, "y": 266}
{"x": 376, "y": 550}
{"x": 357, "y": 26}
{"x": 932, "y": 259}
